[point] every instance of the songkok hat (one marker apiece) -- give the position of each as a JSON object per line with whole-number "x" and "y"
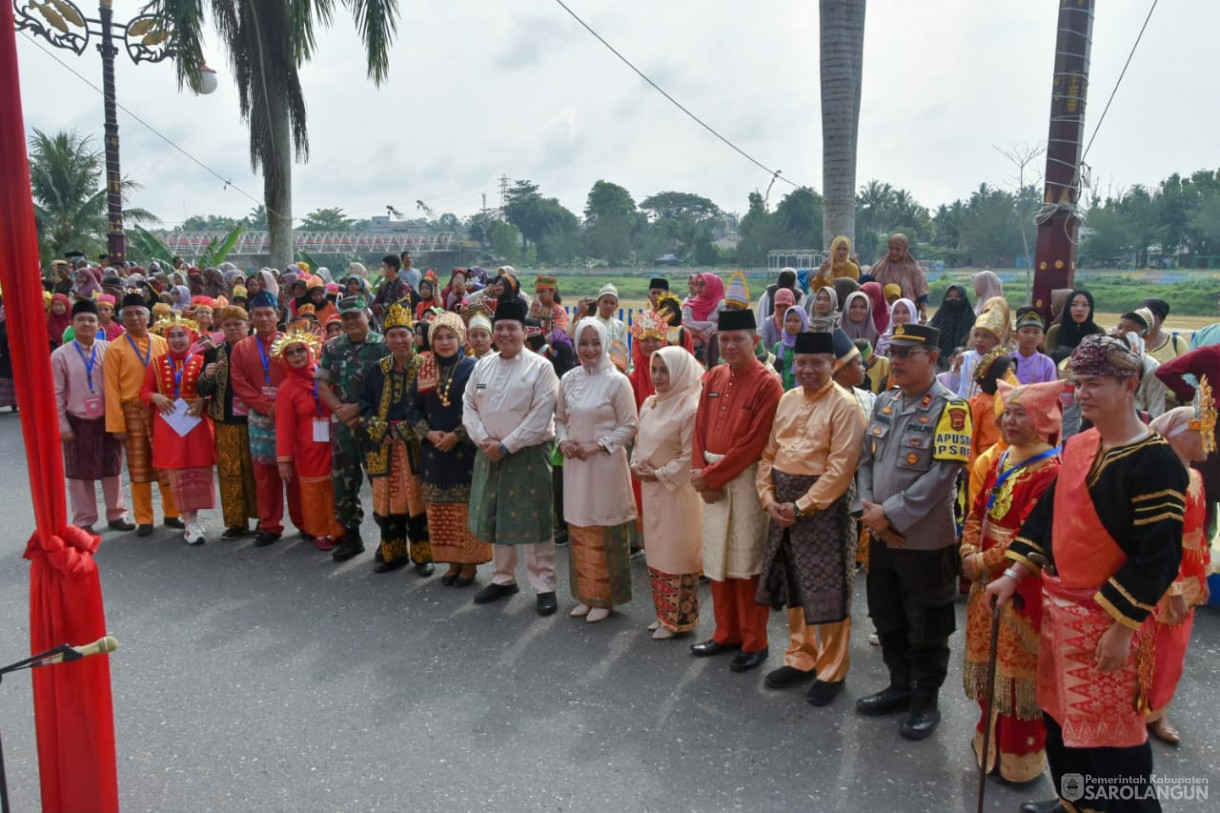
{"x": 736, "y": 320}
{"x": 844, "y": 348}
{"x": 353, "y": 304}
{"x": 232, "y": 312}
{"x": 84, "y": 306}
{"x": 1106, "y": 356}
{"x": 397, "y": 315}
{"x": 785, "y": 297}
{"x": 1030, "y": 318}
{"x": 135, "y": 301}
{"x": 263, "y": 299}
{"x": 994, "y": 321}
{"x": 545, "y": 284}
{"x": 1041, "y": 403}
{"x": 814, "y": 343}
{"x": 608, "y": 290}
{"x": 513, "y": 311}
{"x": 658, "y": 282}
{"x": 737, "y": 295}
{"x": 913, "y": 335}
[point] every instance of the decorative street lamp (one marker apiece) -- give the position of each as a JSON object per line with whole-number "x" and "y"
{"x": 145, "y": 38}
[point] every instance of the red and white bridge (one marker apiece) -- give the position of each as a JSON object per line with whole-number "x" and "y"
{"x": 191, "y": 244}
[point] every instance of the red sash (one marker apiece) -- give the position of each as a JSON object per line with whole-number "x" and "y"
{"x": 1095, "y": 709}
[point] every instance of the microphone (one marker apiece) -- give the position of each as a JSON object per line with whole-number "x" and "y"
{"x": 102, "y": 645}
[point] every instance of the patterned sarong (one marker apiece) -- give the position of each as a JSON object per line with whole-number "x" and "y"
{"x": 734, "y": 528}
{"x": 193, "y": 488}
{"x": 811, "y": 565}
{"x": 238, "y": 493}
{"x": 511, "y": 501}
{"x": 93, "y": 453}
{"x": 600, "y": 564}
{"x": 676, "y": 599}
{"x": 398, "y": 507}
{"x": 452, "y": 542}
{"x": 262, "y": 438}
{"x": 138, "y": 443}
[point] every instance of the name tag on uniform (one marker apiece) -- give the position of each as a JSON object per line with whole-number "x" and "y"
{"x": 93, "y": 406}
{"x": 269, "y": 392}
{"x": 713, "y": 395}
{"x": 321, "y": 430}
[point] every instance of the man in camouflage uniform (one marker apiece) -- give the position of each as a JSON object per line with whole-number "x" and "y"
{"x": 341, "y": 370}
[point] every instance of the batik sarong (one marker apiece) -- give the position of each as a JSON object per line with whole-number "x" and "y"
{"x": 600, "y": 563}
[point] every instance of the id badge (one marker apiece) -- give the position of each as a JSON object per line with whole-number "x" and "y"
{"x": 269, "y": 391}
{"x": 321, "y": 430}
{"x": 93, "y": 406}
{"x": 240, "y": 410}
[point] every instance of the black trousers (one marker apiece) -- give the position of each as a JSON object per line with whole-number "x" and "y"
{"x": 910, "y": 600}
{"x": 1124, "y": 768}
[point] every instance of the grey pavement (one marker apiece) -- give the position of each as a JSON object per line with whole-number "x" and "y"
{"x": 274, "y": 679}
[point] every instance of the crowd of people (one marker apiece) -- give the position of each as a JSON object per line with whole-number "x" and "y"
{"x": 773, "y": 451}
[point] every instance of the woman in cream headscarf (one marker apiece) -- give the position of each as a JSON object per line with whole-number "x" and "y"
{"x": 595, "y": 419}
{"x": 673, "y": 511}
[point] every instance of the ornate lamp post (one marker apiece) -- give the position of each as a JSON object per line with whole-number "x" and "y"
{"x": 145, "y": 39}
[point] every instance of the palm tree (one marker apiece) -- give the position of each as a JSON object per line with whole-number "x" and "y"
{"x": 69, "y": 194}
{"x": 841, "y": 63}
{"x": 268, "y": 41}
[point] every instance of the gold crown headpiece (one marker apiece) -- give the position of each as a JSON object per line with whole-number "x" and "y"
{"x": 166, "y": 323}
{"x": 397, "y": 315}
{"x": 296, "y": 334}
{"x": 1204, "y": 420}
{"x": 650, "y": 325}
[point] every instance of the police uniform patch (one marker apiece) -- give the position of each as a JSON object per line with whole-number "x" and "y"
{"x": 953, "y": 433}
{"x": 912, "y": 458}
{"x": 924, "y": 419}
{"x": 926, "y": 401}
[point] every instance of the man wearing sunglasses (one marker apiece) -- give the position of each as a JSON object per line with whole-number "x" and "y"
{"x": 916, "y": 442}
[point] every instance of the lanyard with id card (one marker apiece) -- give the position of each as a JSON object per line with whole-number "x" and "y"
{"x": 93, "y": 401}
{"x": 321, "y": 425}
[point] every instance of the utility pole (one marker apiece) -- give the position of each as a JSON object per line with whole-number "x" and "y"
{"x": 1058, "y": 224}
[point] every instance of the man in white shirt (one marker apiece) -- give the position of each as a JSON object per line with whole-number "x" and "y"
{"x": 509, "y": 414}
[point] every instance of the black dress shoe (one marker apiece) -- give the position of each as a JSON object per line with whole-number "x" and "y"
{"x": 120, "y": 525}
{"x": 233, "y": 532}
{"x": 425, "y": 569}
{"x": 710, "y": 647}
{"x": 745, "y": 661}
{"x": 886, "y": 701}
{"x": 547, "y": 604}
{"x": 88, "y": 529}
{"x": 348, "y": 549}
{"x": 389, "y": 567}
{"x": 561, "y": 539}
{"x": 459, "y": 582}
{"x": 175, "y": 522}
{"x": 495, "y": 592}
{"x": 1052, "y": 806}
{"x": 921, "y": 720}
{"x": 786, "y": 676}
{"x": 307, "y": 537}
{"x": 448, "y": 579}
{"x": 264, "y": 539}
{"x": 822, "y": 692}
{"x": 145, "y": 530}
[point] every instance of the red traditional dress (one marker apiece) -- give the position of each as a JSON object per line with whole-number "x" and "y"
{"x": 1008, "y": 495}
{"x": 303, "y": 438}
{"x": 1173, "y": 639}
{"x": 187, "y": 460}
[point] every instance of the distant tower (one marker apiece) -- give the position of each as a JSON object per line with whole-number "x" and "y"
{"x": 503, "y": 194}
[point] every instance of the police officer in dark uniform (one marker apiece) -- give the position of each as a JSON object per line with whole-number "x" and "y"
{"x": 916, "y": 443}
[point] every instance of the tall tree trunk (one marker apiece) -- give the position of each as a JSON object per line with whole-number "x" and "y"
{"x": 841, "y": 64}
{"x": 277, "y": 185}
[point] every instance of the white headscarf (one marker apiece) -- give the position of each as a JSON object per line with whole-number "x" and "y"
{"x": 685, "y": 373}
{"x": 603, "y": 361}
{"x": 666, "y": 413}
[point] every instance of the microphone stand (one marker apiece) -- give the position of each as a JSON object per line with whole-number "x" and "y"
{"x": 63, "y": 650}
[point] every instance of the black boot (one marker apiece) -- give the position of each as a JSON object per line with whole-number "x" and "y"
{"x": 895, "y": 697}
{"x": 922, "y": 717}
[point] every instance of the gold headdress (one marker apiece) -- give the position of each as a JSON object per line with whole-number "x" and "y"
{"x": 650, "y": 325}
{"x": 994, "y": 319}
{"x": 1204, "y": 420}
{"x": 167, "y": 323}
{"x": 397, "y": 315}
{"x": 295, "y": 334}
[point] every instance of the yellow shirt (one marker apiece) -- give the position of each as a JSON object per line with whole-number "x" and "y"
{"x": 124, "y": 374}
{"x": 814, "y": 434}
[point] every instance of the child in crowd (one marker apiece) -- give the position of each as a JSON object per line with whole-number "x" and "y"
{"x": 1032, "y": 366}
{"x": 795, "y": 322}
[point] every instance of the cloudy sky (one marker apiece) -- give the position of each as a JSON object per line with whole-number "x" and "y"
{"x": 480, "y": 88}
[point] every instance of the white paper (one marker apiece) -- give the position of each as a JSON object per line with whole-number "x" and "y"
{"x": 321, "y": 430}
{"x": 179, "y": 421}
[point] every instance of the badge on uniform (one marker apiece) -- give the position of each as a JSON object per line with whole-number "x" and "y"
{"x": 953, "y": 433}
{"x": 321, "y": 430}
{"x": 713, "y": 395}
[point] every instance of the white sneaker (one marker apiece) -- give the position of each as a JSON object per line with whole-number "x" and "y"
{"x": 194, "y": 533}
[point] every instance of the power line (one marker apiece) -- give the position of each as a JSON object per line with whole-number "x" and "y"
{"x": 1114, "y": 92}
{"x": 149, "y": 127}
{"x": 774, "y": 173}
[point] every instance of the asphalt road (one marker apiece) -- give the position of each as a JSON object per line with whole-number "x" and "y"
{"x": 274, "y": 679}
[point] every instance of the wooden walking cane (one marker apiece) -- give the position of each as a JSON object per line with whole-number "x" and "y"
{"x": 991, "y": 659}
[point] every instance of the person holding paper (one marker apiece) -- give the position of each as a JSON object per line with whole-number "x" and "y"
{"x": 302, "y": 434}
{"x": 182, "y": 436}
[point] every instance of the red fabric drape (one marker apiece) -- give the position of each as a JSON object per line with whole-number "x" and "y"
{"x": 73, "y": 710}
